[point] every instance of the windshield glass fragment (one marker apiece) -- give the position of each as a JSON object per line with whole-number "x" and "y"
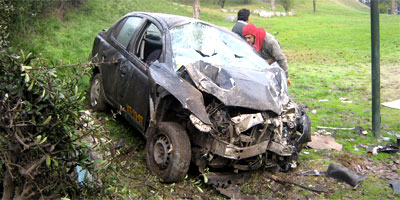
{"x": 197, "y": 41}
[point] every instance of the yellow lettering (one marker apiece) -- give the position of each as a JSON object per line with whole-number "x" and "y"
{"x": 140, "y": 119}
{"x": 133, "y": 112}
{"x": 128, "y": 108}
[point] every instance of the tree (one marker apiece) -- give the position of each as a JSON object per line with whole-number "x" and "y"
{"x": 287, "y": 4}
{"x": 221, "y": 3}
{"x": 315, "y": 6}
{"x": 272, "y": 4}
{"x": 393, "y": 8}
{"x": 196, "y": 9}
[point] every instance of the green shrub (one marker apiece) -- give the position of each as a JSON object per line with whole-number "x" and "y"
{"x": 40, "y": 130}
{"x": 286, "y": 4}
{"x": 383, "y": 8}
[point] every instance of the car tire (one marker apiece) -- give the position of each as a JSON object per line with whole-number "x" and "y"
{"x": 168, "y": 152}
{"x": 96, "y": 95}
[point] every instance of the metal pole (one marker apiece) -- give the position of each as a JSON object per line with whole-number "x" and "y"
{"x": 375, "y": 69}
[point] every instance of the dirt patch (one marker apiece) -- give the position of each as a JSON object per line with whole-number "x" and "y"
{"x": 265, "y": 187}
{"x": 390, "y": 82}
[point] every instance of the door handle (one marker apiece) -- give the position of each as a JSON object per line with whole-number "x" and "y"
{"x": 122, "y": 68}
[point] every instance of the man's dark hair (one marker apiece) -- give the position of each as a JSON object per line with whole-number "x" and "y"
{"x": 243, "y": 14}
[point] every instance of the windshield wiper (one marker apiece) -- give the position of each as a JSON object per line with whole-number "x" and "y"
{"x": 237, "y": 56}
{"x": 205, "y": 55}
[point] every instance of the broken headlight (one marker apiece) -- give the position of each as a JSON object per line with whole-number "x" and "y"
{"x": 199, "y": 124}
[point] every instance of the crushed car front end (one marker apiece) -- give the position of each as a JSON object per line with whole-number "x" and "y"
{"x": 248, "y": 129}
{"x": 246, "y": 139}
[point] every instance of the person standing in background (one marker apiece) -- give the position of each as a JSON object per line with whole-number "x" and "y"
{"x": 242, "y": 19}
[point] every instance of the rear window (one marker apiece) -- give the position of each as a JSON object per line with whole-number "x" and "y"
{"x": 127, "y": 30}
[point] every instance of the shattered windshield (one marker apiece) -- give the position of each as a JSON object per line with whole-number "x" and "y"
{"x": 197, "y": 41}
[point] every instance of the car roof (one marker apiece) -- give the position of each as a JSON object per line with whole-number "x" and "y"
{"x": 169, "y": 20}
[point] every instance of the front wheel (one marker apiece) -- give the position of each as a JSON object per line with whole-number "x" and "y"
{"x": 97, "y": 101}
{"x": 168, "y": 152}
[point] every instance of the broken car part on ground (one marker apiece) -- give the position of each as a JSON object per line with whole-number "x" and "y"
{"x": 199, "y": 94}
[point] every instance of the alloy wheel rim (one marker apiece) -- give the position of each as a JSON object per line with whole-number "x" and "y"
{"x": 162, "y": 150}
{"x": 95, "y": 93}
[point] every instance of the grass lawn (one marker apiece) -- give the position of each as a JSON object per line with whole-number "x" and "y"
{"x": 329, "y": 59}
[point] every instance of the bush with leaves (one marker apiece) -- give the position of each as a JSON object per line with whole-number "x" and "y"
{"x": 40, "y": 130}
{"x": 286, "y": 4}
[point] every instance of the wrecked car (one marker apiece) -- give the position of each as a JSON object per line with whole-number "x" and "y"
{"x": 198, "y": 93}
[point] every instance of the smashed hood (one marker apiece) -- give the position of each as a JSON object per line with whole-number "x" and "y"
{"x": 256, "y": 89}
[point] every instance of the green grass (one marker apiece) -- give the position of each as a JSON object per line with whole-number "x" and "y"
{"x": 329, "y": 58}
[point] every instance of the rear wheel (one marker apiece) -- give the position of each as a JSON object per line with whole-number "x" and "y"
{"x": 97, "y": 101}
{"x": 168, "y": 152}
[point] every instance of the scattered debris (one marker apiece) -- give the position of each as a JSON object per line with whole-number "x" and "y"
{"x": 393, "y": 104}
{"x": 335, "y": 128}
{"x": 314, "y": 111}
{"x": 384, "y": 149}
{"x": 338, "y": 172}
{"x": 344, "y": 174}
{"x": 395, "y": 184}
{"x": 324, "y": 142}
{"x": 84, "y": 175}
{"x": 384, "y": 170}
{"x": 360, "y": 130}
{"x": 364, "y": 146}
{"x": 296, "y": 184}
{"x": 323, "y": 100}
{"x": 344, "y": 100}
{"x": 312, "y": 173}
{"x": 322, "y": 132}
{"x": 227, "y": 184}
{"x": 234, "y": 193}
{"x": 306, "y": 152}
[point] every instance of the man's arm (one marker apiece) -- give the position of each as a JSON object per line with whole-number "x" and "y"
{"x": 279, "y": 56}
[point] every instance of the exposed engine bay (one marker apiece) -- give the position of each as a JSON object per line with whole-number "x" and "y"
{"x": 246, "y": 139}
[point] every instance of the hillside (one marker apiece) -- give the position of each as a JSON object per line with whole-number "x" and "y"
{"x": 329, "y": 59}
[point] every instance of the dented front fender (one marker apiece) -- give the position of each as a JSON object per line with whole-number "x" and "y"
{"x": 184, "y": 92}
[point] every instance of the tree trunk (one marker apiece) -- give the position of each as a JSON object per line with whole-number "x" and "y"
{"x": 272, "y": 4}
{"x": 196, "y": 9}
{"x": 8, "y": 181}
{"x": 315, "y": 6}
{"x": 221, "y": 3}
{"x": 393, "y": 8}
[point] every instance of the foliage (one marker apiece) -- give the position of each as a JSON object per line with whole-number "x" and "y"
{"x": 286, "y": 4}
{"x": 40, "y": 144}
{"x": 383, "y": 8}
{"x": 20, "y": 15}
{"x": 33, "y": 8}
{"x": 221, "y": 3}
{"x": 5, "y": 20}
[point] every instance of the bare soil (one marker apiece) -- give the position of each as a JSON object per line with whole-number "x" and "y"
{"x": 390, "y": 82}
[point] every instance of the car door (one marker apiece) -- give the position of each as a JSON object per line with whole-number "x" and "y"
{"x": 116, "y": 56}
{"x": 134, "y": 90}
